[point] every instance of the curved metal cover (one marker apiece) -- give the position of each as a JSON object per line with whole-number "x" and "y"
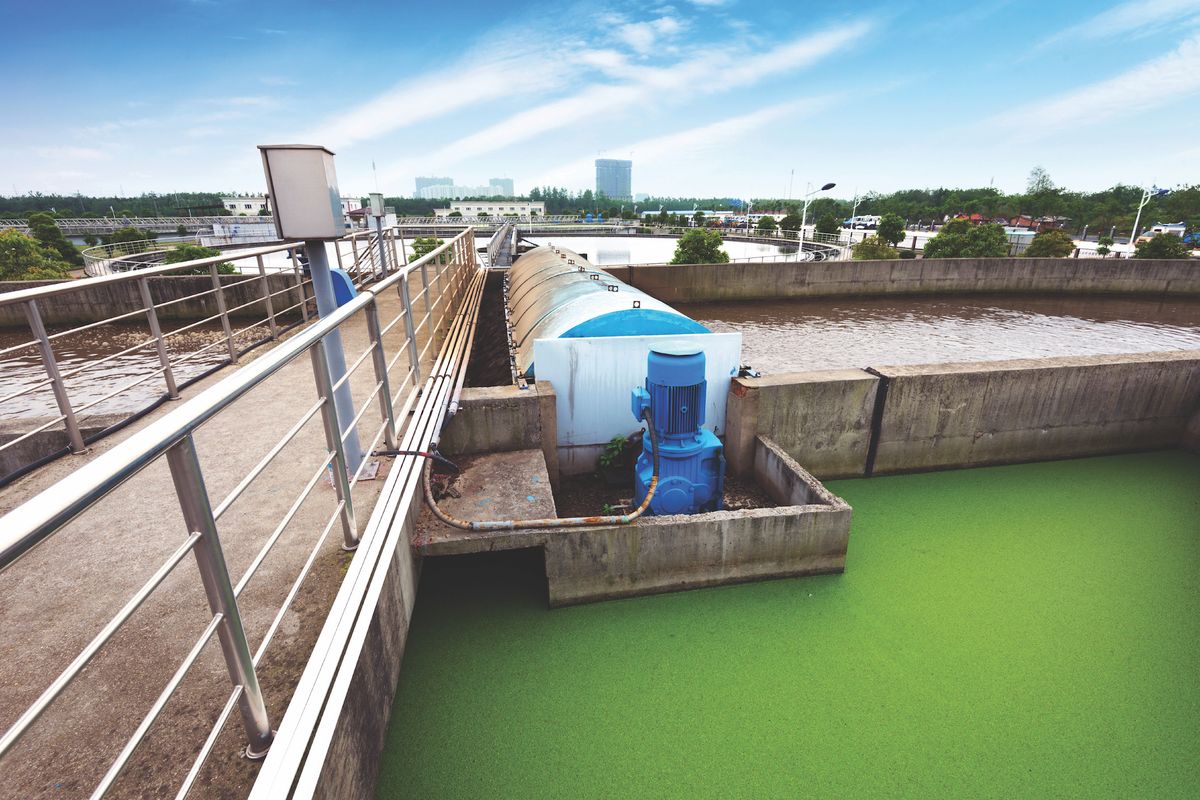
{"x": 550, "y": 297}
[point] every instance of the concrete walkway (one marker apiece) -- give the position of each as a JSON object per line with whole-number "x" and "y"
{"x": 57, "y": 598}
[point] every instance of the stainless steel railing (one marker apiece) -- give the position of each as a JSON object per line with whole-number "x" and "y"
{"x": 267, "y": 294}
{"x": 442, "y": 276}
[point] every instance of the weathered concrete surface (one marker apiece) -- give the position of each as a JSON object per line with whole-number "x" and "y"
{"x": 666, "y": 554}
{"x": 107, "y": 300}
{"x": 496, "y": 486}
{"x": 1191, "y": 436}
{"x": 767, "y": 280}
{"x": 499, "y": 418}
{"x": 44, "y": 443}
{"x": 351, "y": 767}
{"x": 946, "y": 416}
{"x": 822, "y": 419}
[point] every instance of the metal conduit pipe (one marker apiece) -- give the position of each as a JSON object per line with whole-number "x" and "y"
{"x": 555, "y": 522}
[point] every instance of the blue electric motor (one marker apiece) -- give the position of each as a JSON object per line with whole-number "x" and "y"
{"x": 691, "y": 475}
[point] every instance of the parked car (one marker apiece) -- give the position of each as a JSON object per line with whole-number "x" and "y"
{"x": 866, "y": 222}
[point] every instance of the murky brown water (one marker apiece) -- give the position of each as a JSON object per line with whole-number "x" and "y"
{"x": 798, "y": 335}
{"x": 22, "y": 368}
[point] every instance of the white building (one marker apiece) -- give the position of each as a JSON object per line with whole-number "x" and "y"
{"x": 493, "y": 208}
{"x": 252, "y": 205}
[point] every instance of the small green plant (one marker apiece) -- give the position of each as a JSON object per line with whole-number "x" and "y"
{"x": 608, "y": 510}
{"x": 613, "y": 450}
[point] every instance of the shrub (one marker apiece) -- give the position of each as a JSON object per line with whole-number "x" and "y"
{"x": 1051, "y": 244}
{"x": 873, "y": 248}
{"x": 1164, "y": 245}
{"x": 192, "y": 252}
{"x": 700, "y": 246}
{"x": 960, "y": 239}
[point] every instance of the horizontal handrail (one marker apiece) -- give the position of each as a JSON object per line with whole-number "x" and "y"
{"x": 32, "y": 521}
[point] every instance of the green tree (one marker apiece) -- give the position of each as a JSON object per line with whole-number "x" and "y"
{"x": 23, "y": 258}
{"x": 43, "y": 228}
{"x": 424, "y": 245}
{"x": 700, "y": 246}
{"x": 874, "y": 248}
{"x": 828, "y": 224}
{"x": 193, "y": 252}
{"x": 766, "y": 225}
{"x": 1051, "y": 244}
{"x": 455, "y": 214}
{"x": 1105, "y": 246}
{"x": 890, "y": 229}
{"x": 698, "y": 219}
{"x": 1164, "y": 245}
{"x": 960, "y": 239}
{"x": 790, "y": 223}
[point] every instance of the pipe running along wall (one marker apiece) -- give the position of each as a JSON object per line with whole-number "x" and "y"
{"x": 549, "y": 522}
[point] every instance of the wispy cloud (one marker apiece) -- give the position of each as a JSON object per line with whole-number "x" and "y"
{"x": 644, "y": 37}
{"x": 685, "y": 145}
{"x": 70, "y": 153}
{"x": 1155, "y": 83}
{"x": 436, "y": 94}
{"x": 715, "y": 71}
{"x": 1129, "y": 19}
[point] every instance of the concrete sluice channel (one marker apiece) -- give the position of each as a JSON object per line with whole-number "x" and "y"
{"x": 809, "y": 334}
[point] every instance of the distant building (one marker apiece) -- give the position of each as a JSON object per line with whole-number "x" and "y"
{"x": 501, "y": 187}
{"x": 245, "y": 205}
{"x": 641, "y": 197}
{"x": 424, "y": 183}
{"x": 613, "y": 178}
{"x": 493, "y": 208}
{"x": 251, "y": 205}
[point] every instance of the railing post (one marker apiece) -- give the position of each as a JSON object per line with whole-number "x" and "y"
{"x": 354, "y": 253}
{"x": 159, "y": 343}
{"x": 197, "y": 515}
{"x": 410, "y": 330}
{"x": 333, "y": 439}
{"x": 300, "y": 284}
{"x": 219, "y": 293}
{"x": 266, "y": 290}
{"x": 56, "y": 382}
{"x": 381, "y": 374}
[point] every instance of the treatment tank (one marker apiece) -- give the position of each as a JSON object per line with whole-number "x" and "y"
{"x": 554, "y": 293}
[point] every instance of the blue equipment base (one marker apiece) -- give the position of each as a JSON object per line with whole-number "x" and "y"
{"x": 691, "y": 476}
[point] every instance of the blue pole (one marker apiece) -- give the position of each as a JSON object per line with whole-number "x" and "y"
{"x": 343, "y": 403}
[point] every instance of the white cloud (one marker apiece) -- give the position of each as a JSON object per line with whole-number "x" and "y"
{"x": 1163, "y": 80}
{"x": 714, "y": 71}
{"x": 69, "y": 153}
{"x": 460, "y": 85}
{"x": 1127, "y": 19}
{"x": 686, "y": 145}
{"x": 643, "y": 37}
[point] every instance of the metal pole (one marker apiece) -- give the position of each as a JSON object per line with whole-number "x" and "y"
{"x": 266, "y": 290}
{"x": 410, "y": 329}
{"x": 219, "y": 293}
{"x": 1137, "y": 220}
{"x": 299, "y": 284}
{"x": 318, "y": 268}
{"x": 333, "y": 439}
{"x": 381, "y": 374}
{"x": 56, "y": 381}
{"x": 159, "y": 343}
{"x": 383, "y": 261}
{"x": 197, "y": 515}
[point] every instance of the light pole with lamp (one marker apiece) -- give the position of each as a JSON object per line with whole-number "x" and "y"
{"x": 808, "y": 196}
{"x": 1147, "y": 196}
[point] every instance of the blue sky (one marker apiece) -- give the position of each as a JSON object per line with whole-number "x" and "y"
{"x": 708, "y": 97}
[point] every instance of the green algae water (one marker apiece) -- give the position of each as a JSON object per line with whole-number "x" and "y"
{"x": 1023, "y": 631}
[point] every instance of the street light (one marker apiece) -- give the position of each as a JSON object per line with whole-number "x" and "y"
{"x": 1147, "y": 195}
{"x": 808, "y": 195}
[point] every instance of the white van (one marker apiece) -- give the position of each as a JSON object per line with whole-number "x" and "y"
{"x": 866, "y": 223}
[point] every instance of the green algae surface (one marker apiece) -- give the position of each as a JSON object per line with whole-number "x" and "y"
{"x": 1024, "y": 631}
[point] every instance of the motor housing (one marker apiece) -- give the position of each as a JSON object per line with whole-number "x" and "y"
{"x": 691, "y": 477}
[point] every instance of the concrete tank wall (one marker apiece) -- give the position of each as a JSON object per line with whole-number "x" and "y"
{"x": 101, "y": 301}
{"x": 847, "y": 423}
{"x": 690, "y": 283}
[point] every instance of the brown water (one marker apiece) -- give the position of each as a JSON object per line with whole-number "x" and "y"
{"x": 23, "y": 368}
{"x": 797, "y": 335}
